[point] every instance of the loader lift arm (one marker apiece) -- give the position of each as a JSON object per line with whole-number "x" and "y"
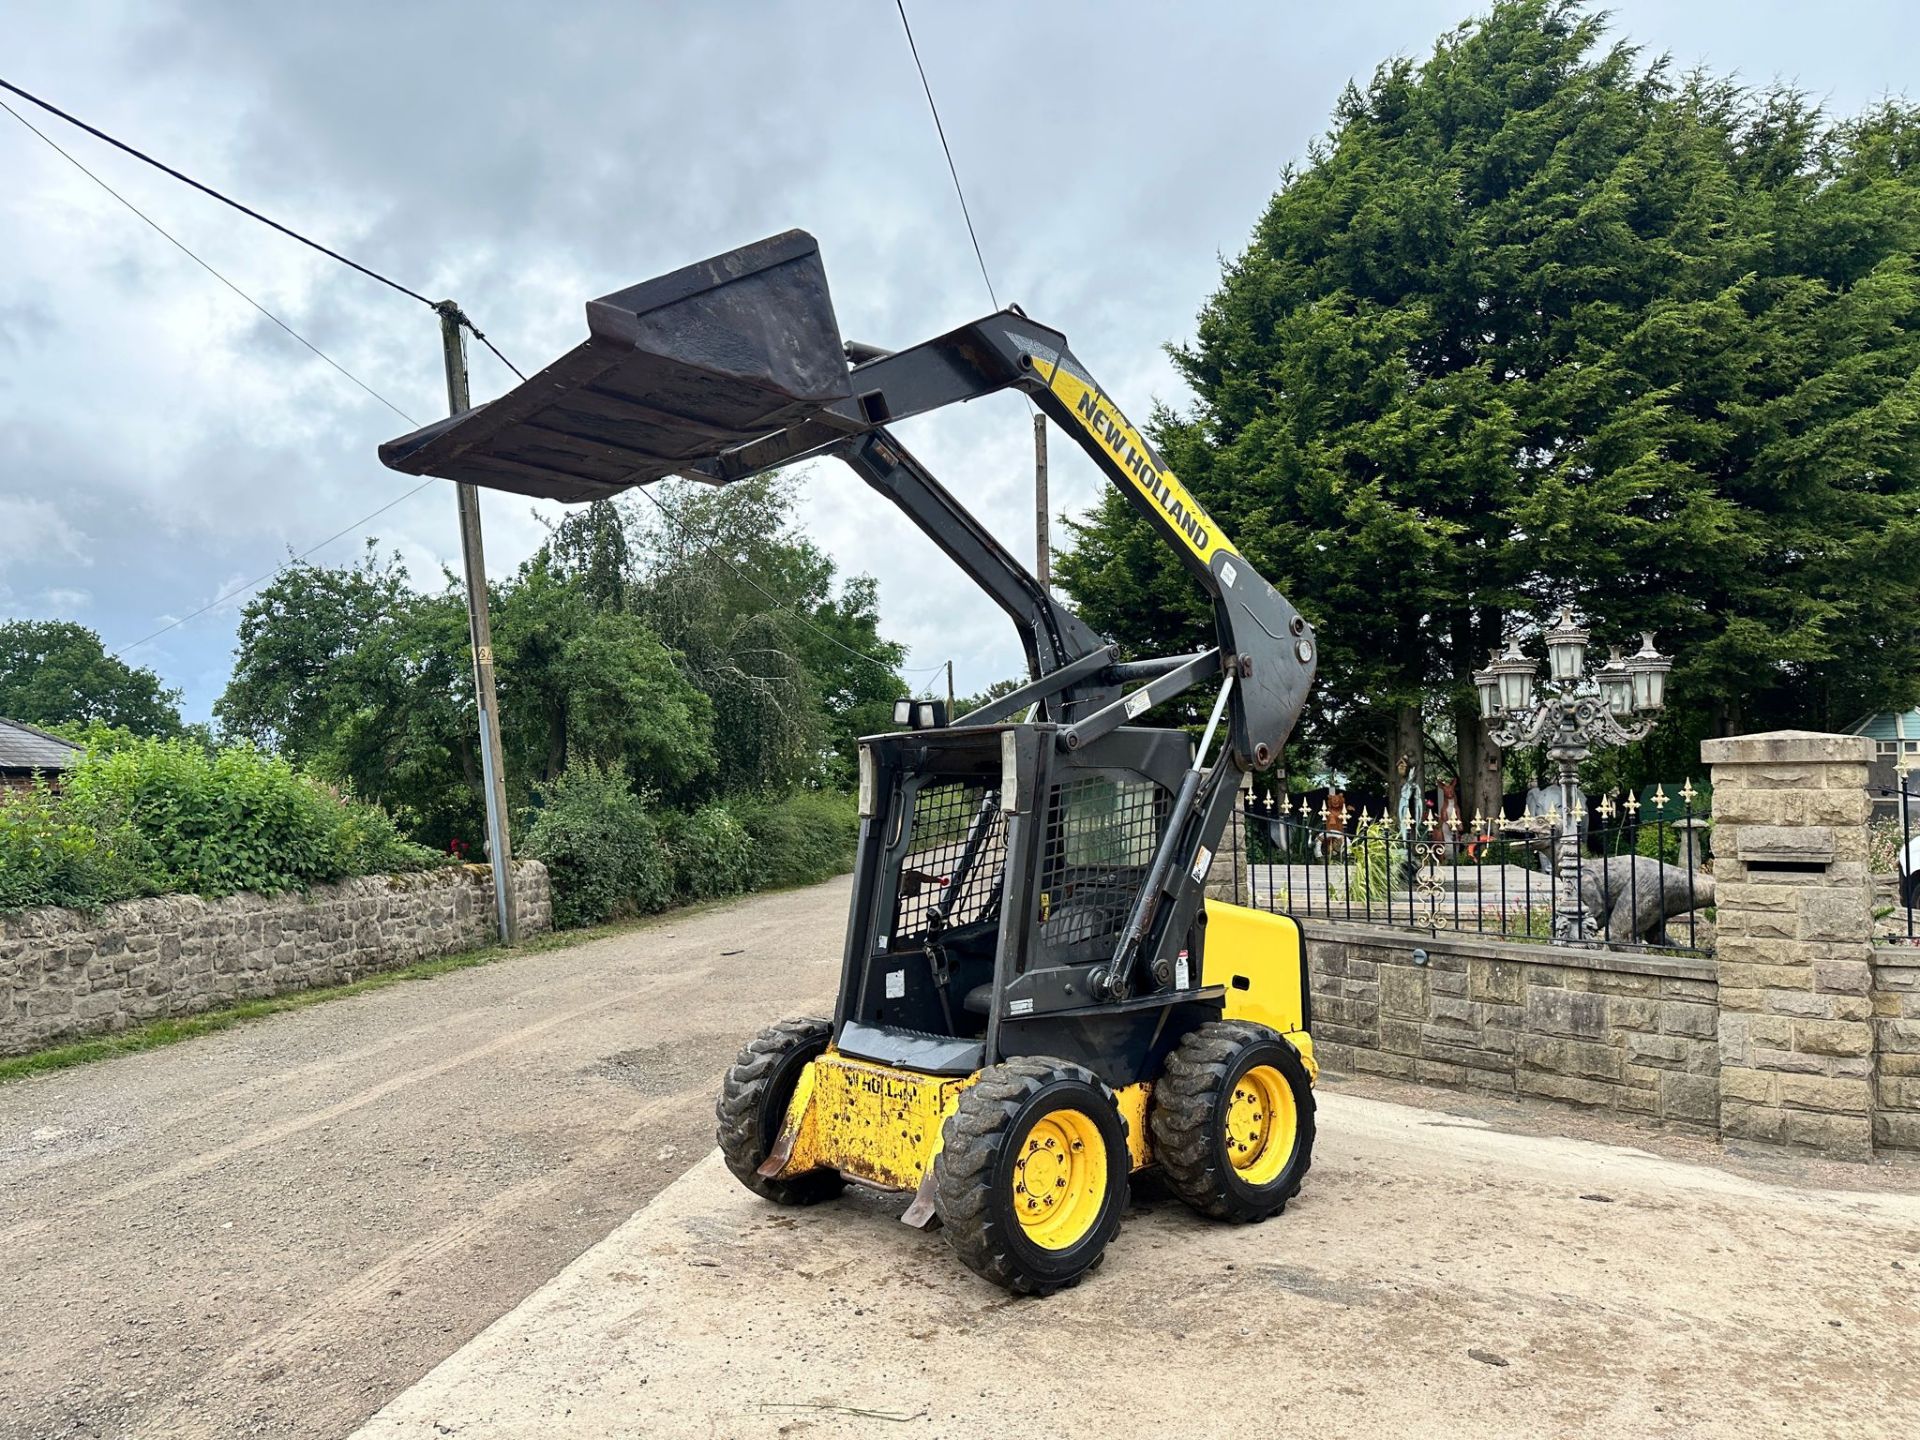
{"x": 1261, "y": 638}
{"x": 735, "y": 366}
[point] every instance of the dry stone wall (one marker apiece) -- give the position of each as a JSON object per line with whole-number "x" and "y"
{"x": 71, "y": 973}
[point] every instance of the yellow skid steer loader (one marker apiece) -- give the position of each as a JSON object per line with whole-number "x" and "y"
{"x": 1036, "y": 999}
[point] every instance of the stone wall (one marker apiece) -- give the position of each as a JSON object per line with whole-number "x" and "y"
{"x": 69, "y": 973}
{"x": 1896, "y": 1048}
{"x": 1619, "y": 1031}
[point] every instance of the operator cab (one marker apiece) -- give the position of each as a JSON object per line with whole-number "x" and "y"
{"x": 1001, "y": 876}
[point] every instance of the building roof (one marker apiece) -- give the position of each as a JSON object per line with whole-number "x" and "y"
{"x": 24, "y": 748}
{"x": 1889, "y": 725}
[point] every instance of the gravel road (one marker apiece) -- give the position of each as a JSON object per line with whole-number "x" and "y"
{"x": 272, "y": 1231}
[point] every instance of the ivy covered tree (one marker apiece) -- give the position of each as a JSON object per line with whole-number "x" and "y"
{"x": 1538, "y": 321}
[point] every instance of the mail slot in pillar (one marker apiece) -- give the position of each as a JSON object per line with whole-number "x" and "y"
{"x": 1782, "y": 849}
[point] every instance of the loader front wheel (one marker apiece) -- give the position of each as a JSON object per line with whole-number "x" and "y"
{"x": 753, "y": 1106}
{"x": 1031, "y": 1179}
{"x": 1232, "y": 1121}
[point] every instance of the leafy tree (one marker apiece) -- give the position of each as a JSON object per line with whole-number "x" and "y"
{"x": 1535, "y": 321}
{"x": 54, "y": 672}
{"x": 580, "y": 679}
{"x": 351, "y": 672}
{"x": 796, "y": 670}
{"x": 622, "y": 645}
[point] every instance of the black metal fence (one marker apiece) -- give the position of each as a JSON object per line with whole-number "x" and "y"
{"x": 1642, "y": 878}
{"x": 1894, "y": 851}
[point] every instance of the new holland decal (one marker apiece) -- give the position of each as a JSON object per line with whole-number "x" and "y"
{"x": 1099, "y": 418}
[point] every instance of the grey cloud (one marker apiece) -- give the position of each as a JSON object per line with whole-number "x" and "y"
{"x": 524, "y": 159}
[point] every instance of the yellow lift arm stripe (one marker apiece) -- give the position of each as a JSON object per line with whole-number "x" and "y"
{"x": 1138, "y": 462}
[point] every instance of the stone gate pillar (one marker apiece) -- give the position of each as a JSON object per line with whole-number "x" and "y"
{"x": 1794, "y": 951}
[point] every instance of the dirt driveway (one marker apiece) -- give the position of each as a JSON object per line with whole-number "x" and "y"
{"x": 273, "y": 1230}
{"x": 1440, "y": 1276}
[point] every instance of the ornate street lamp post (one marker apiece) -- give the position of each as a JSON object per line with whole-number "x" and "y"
{"x": 1571, "y": 714}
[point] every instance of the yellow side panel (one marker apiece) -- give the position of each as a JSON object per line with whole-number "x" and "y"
{"x": 882, "y": 1125}
{"x": 1256, "y": 956}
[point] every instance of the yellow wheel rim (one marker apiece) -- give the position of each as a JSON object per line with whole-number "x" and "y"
{"x": 1262, "y": 1125}
{"x": 1060, "y": 1179}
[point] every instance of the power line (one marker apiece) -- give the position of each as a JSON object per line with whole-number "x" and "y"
{"x": 182, "y": 248}
{"x": 224, "y": 199}
{"x": 712, "y": 552}
{"x": 295, "y": 334}
{"x": 219, "y": 600}
{"x": 185, "y": 179}
{"x": 941, "y": 130}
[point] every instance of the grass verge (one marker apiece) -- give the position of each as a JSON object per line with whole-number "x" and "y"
{"x": 156, "y": 1033}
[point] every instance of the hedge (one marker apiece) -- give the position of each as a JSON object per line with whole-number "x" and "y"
{"x": 611, "y": 853}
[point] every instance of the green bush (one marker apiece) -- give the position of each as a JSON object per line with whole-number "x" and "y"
{"x": 601, "y": 846}
{"x": 150, "y": 817}
{"x": 610, "y": 854}
{"x": 800, "y": 838}
{"x": 710, "y": 851}
{"x": 1379, "y": 854}
{"x": 1661, "y": 841}
{"x": 50, "y": 856}
{"x": 233, "y": 819}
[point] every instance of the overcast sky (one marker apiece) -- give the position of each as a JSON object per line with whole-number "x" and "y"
{"x": 161, "y": 443}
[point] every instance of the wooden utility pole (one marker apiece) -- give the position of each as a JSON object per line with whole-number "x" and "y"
{"x": 453, "y": 343}
{"x": 949, "y": 691}
{"x": 1042, "y": 567}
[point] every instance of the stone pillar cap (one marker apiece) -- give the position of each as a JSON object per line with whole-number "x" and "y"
{"x": 1787, "y": 746}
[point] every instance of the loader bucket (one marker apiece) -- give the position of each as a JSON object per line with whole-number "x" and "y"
{"x": 673, "y": 371}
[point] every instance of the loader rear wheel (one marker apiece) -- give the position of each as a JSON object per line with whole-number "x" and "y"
{"x": 1031, "y": 1179}
{"x": 1232, "y": 1121}
{"x": 753, "y": 1106}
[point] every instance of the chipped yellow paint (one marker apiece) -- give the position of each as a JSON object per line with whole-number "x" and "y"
{"x": 1133, "y": 1101}
{"x": 882, "y": 1125}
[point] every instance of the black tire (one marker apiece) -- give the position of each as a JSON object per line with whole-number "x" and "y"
{"x": 753, "y": 1106}
{"x": 981, "y": 1162}
{"x": 1188, "y": 1120}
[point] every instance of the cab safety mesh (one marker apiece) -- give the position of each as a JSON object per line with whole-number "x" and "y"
{"x": 944, "y": 815}
{"x": 1100, "y": 837}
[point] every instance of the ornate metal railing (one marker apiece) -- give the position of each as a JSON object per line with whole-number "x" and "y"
{"x": 1638, "y": 871}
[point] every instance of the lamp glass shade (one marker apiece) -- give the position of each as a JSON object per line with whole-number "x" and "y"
{"x": 1616, "y": 684}
{"x": 1567, "y": 648}
{"x": 1649, "y": 670}
{"x": 1516, "y": 687}
{"x": 1487, "y": 682}
{"x": 1513, "y": 673}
